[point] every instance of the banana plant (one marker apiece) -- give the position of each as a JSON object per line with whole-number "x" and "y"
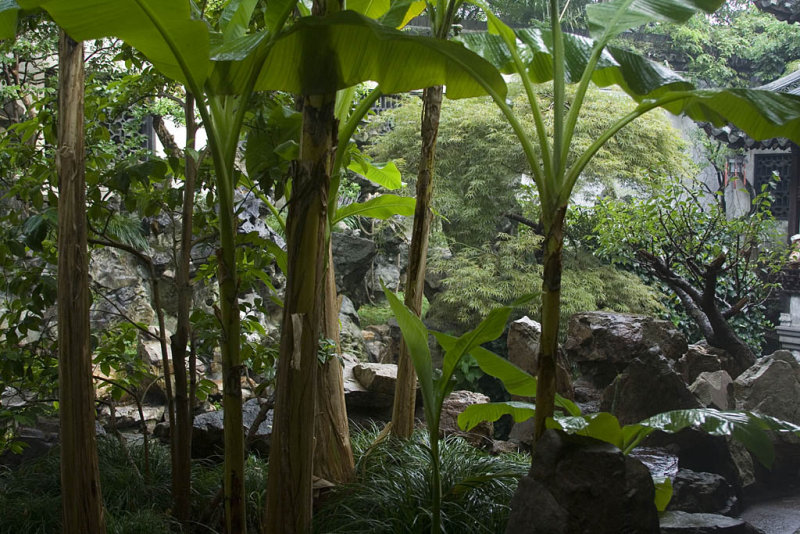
{"x": 315, "y": 55}
{"x": 552, "y": 56}
{"x": 435, "y": 386}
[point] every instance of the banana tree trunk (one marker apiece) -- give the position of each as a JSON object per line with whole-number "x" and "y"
{"x": 289, "y": 486}
{"x": 182, "y": 427}
{"x": 551, "y": 313}
{"x": 80, "y": 476}
{"x": 406, "y": 388}
{"x": 333, "y": 456}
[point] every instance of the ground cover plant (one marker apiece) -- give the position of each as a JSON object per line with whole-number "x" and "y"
{"x": 393, "y": 490}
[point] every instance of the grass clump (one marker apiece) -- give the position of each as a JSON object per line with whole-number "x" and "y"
{"x": 392, "y": 493}
{"x": 137, "y": 501}
{"x": 380, "y": 313}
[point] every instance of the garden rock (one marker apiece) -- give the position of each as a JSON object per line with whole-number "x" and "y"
{"x": 700, "y": 358}
{"x": 771, "y": 387}
{"x": 714, "y": 390}
{"x": 453, "y": 405}
{"x": 123, "y": 281}
{"x": 207, "y": 430}
{"x": 579, "y": 485}
{"x": 524, "y": 336}
{"x": 687, "y": 523}
{"x": 703, "y": 493}
{"x": 352, "y": 258}
{"x": 702, "y": 452}
{"x": 381, "y": 343}
{"x": 602, "y": 344}
{"x": 379, "y": 380}
{"x": 647, "y": 387}
{"x": 350, "y": 338}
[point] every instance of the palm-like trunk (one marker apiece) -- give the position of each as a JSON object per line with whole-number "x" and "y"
{"x": 333, "y": 455}
{"x": 406, "y": 387}
{"x": 182, "y": 426}
{"x": 289, "y": 487}
{"x": 80, "y": 476}
{"x": 551, "y": 312}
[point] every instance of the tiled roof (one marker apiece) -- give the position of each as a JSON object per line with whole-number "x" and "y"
{"x": 787, "y": 10}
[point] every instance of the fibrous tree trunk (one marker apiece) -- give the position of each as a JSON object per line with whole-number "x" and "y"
{"x": 80, "y": 476}
{"x": 289, "y": 486}
{"x": 333, "y": 455}
{"x": 406, "y": 386}
{"x": 182, "y": 426}
{"x": 551, "y": 310}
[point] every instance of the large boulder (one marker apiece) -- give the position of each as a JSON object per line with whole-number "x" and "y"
{"x": 524, "y": 337}
{"x": 453, "y": 405}
{"x": 602, "y": 344}
{"x": 771, "y": 387}
{"x": 581, "y": 485}
{"x": 714, "y": 390}
{"x": 647, "y": 387}
{"x": 702, "y": 452}
{"x": 352, "y": 259}
{"x": 124, "y": 282}
{"x": 703, "y": 493}
{"x": 688, "y": 523}
{"x": 207, "y": 430}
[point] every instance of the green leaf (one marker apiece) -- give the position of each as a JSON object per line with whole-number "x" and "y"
{"x": 277, "y": 11}
{"x": 381, "y": 207}
{"x": 761, "y": 114}
{"x": 281, "y": 257}
{"x": 489, "y": 329}
{"x": 475, "y": 414}
{"x": 637, "y": 76}
{"x": 9, "y": 11}
{"x": 163, "y": 30}
{"x": 373, "y": 9}
{"x": 515, "y": 380}
{"x": 235, "y": 18}
{"x": 612, "y": 18}
{"x": 663, "y": 492}
{"x": 416, "y": 337}
{"x": 383, "y": 174}
{"x": 349, "y": 49}
{"x": 402, "y": 12}
{"x": 602, "y": 426}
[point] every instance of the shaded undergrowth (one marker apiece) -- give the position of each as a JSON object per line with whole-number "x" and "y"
{"x": 136, "y": 501}
{"x": 392, "y": 493}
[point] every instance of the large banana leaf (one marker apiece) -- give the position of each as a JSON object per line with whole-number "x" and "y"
{"x": 637, "y": 76}
{"x": 761, "y": 114}
{"x": 612, "y": 18}
{"x": 163, "y": 30}
{"x": 322, "y": 55}
{"x": 746, "y": 427}
{"x": 380, "y": 207}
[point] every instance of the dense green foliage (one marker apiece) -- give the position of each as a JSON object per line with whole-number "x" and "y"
{"x": 479, "y": 160}
{"x": 136, "y": 500}
{"x": 482, "y": 278}
{"x": 738, "y": 46}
